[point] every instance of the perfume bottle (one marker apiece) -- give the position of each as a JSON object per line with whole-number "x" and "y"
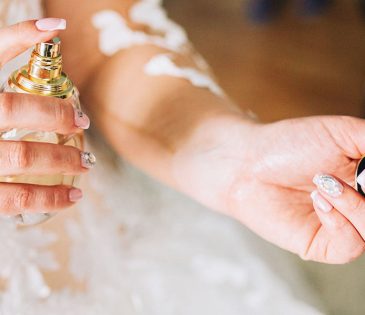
{"x": 42, "y": 76}
{"x": 359, "y": 169}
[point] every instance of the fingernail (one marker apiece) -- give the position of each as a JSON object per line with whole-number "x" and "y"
{"x": 88, "y": 160}
{"x": 81, "y": 119}
{"x": 75, "y": 194}
{"x": 321, "y": 202}
{"x": 51, "y": 24}
{"x": 328, "y": 184}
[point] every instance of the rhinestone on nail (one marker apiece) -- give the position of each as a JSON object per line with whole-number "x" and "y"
{"x": 80, "y": 114}
{"x": 328, "y": 184}
{"x": 88, "y": 159}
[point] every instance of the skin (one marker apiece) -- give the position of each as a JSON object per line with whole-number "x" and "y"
{"x": 266, "y": 181}
{"x": 34, "y": 113}
{"x": 204, "y": 146}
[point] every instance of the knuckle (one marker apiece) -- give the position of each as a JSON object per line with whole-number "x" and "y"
{"x": 23, "y": 198}
{"x": 65, "y": 157}
{"x": 60, "y": 114}
{"x": 20, "y": 156}
{"x": 20, "y": 32}
{"x": 7, "y": 204}
{"x": 50, "y": 200}
{"x": 54, "y": 198}
{"x": 356, "y": 206}
{"x": 340, "y": 225}
{"x": 72, "y": 157}
{"x": 57, "y": 155}
{"x": 6, "y": 106}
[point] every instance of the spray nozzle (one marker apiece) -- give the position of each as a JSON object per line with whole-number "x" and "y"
{"x": 50, "y": 49}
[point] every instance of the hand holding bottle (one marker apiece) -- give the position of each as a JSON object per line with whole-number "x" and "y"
{"x": 37, "y": 113}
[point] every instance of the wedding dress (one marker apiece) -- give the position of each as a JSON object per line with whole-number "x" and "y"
{"x": 132, "y": 246}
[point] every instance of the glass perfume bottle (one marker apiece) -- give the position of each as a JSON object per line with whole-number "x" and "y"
{"x": 359, "y": 169}
{"x": 42, "y": 76}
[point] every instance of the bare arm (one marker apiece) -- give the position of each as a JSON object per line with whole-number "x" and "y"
{"x": 201, "y": 144}
{"x": 145, "y": 118}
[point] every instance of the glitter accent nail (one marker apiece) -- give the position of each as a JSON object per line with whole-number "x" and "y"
{"x": 81, "y": 119}
{"x": 88, "y": 160}
{"x": 328, "y": 184}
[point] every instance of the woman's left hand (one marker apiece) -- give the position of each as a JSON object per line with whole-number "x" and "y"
{"x": 262, "y": 175}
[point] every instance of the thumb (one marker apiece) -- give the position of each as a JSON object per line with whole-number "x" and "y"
{"x": 348, "y": 133}
{"x": 19, "y": 37}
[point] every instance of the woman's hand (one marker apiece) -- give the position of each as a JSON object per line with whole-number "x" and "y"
{"x": 37, "y": 113}
{"x": 262, "y": 175}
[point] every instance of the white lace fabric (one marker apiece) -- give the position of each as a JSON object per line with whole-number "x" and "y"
{"x": 131, "y": 247}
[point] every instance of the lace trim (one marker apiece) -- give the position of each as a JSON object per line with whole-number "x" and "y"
{"x": 115, "y": 35}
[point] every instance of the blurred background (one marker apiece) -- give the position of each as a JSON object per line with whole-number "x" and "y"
{"x": 295, "y": 64}
{"x": 298, "y": 58}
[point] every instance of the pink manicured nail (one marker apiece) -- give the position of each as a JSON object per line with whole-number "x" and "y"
{"x": 81, "y": 119}
{"x": 75, "y": 194}
{"x": 321, "y": 202}
{"x": 51, "y": 24}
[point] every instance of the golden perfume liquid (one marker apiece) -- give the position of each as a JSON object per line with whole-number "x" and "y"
{"x": 42, "y": 76}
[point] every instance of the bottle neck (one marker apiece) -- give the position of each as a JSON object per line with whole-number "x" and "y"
{"x": 46, "y": 61}
{"x": 45, "y": 68}
{"x": 43, "y": 74}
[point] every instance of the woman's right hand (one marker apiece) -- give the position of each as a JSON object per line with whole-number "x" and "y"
{"x": 37, "y": 113}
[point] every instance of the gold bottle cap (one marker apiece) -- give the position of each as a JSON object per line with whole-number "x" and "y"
{"x": 43, "y": 75}
{"x": 51, "y": 49}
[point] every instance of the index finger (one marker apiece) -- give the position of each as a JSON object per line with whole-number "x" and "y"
{"x": 17, "y": 38}
{"x": 40, "y": 113}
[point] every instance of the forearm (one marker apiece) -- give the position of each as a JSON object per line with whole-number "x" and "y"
{"x": 148, "y": 119}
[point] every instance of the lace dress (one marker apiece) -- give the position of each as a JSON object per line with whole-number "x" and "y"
{"x": 132, "y": 246}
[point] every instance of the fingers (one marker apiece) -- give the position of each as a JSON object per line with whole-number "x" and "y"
{"x": 344, "y": 199}
{"x": 341, "y": 211}
{"x": 36, "y": 158}
{"x": 40, "y": 113}
{"x": 336, "y": 241}
{"x": 21, "y": 198}
{"x": 19, "y": 37}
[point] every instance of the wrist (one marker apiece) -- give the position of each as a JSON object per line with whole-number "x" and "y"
{"x": 205, "y": 166}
